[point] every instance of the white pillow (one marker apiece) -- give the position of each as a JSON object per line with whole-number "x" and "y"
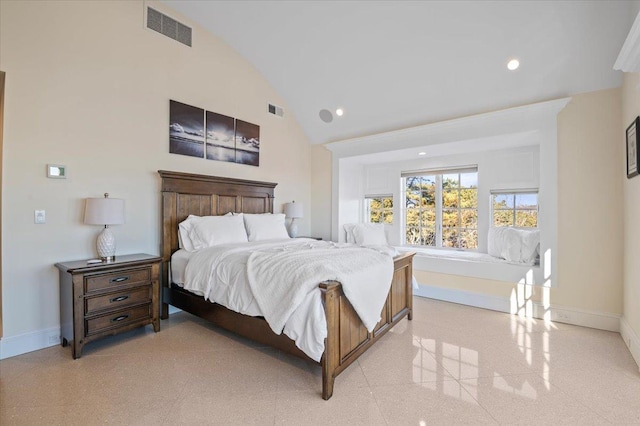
{"x": 184, "y": 240}
{"x": 348, "y": 229}
{"x": 265, "y": 226}
{"x": 514, "y": 244}
{"x": 208, "y": 231}
{"x": 369, "y": 234}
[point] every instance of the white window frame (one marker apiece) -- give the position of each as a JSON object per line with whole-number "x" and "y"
{"x": 515, "y": 209}
{"x": 438, "y": 203}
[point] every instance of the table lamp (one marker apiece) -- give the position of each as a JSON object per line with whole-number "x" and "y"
{"x": 105, "y": 211}
{"x": 293, "y": 211}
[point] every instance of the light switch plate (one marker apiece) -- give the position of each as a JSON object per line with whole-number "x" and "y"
{"x": 39, "y": 217}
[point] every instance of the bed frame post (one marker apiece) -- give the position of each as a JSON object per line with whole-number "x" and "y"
{"x": 409, "y": 281}
{"x": 331, "y": 357}
{"x": 169, "y": 225}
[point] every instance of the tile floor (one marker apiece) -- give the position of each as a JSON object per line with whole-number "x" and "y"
{"x": 451, "y": 365}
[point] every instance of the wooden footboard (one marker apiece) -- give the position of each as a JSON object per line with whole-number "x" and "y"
{"x": 347, "y": 338}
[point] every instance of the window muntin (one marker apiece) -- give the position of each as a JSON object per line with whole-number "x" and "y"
{"x": 379, "y": 209}
{"x": 515, "y": 209}
{"x": 442, "y": 209}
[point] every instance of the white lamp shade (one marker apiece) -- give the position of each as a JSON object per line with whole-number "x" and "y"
{"x": 293, "y": 210}
{"x": 104, "y": 211}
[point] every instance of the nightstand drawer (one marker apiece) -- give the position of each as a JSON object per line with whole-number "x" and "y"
{"x": 118, "y": 300}
{"x": 117, "y": 278}
{"x": 114, "y": 320}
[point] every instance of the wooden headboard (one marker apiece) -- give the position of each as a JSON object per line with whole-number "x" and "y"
{"x": 186, "y": 193}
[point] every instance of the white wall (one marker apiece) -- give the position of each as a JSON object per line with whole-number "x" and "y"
{"x": 349, "y": 194}
{"x": 88, "y": 86}
{"x": 635, "y": 9}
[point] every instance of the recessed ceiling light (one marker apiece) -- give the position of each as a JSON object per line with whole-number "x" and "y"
{"x": 339, "y": 112}
{"x": 422, "y": 153}
{"x": 513, "y": 64}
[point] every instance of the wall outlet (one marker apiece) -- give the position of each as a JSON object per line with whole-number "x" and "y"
{"x": 39, "y": 217}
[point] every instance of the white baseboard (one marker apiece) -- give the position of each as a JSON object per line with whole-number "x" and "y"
{"x": 581, "y": 317}
{"x": 29, "y": 342}
{"x": 463, "y": 297}
{"x": 557, "y": 313}
{"x": 631, "y": 339}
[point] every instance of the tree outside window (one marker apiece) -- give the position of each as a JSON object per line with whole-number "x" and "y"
{"x": 518, "y": 209}
{"x": 379, "y": 209}
{"x": 442, "y": 210}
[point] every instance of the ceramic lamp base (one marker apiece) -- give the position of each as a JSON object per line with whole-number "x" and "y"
{"x": 106, "y": 245}
{"x": 293, "y": 229}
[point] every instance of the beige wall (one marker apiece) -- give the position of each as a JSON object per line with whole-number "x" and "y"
{"x": 89, "y": 87}
{"x": 630, "y": 110}
{"x": 590, "y": 231}
{"x": 590, "y": 225}
{"x": 321, "y": 192}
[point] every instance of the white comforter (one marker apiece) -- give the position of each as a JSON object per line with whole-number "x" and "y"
{"x": 287, "y": 294}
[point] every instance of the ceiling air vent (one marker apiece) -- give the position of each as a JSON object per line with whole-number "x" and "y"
{"x": 275, "y": 110}
{"x": 168, "y": 26}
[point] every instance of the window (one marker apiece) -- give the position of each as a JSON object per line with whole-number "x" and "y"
{"x": 515, "y": 208}
{"x": 442, "y": 208}
{"x": 379, "y": 209}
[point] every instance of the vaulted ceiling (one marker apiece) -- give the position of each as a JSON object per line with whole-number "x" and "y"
{"x": 396, "y": 64}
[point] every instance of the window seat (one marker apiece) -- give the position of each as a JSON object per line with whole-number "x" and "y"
{"x": 472, "y": 264}
{"x": 471, "y": 256}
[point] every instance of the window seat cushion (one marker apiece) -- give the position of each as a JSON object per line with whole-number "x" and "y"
{"x": 472, "y": 256}
{"x": 472, "y": 264}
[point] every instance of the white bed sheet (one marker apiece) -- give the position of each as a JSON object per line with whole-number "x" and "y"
{"x": 179, "y": 261}
{"x": 219, "y": 274}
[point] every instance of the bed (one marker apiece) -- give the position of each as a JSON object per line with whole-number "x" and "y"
{"x": 185, "y": 194}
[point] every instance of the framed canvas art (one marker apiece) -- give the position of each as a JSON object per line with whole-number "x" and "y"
{"x": 247, "y": 143}
{"x": 220, "y": 137}
{"x": 186, "y": 129}
{"x": 633, "y": 156}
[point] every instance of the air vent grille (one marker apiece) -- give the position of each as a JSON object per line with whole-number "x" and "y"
{"x": 275, "y": 110}
{"x": 168, "y": 26}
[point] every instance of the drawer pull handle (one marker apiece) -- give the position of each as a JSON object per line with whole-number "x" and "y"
{"x": 118, "y": 280}
{"x": 120, "y": 318}
{"x": 119, "y": 299}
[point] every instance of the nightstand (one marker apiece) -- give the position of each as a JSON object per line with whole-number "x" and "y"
{"x": 103, "y": 299}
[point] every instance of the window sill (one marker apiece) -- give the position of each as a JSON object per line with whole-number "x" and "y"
{"x": 473, "y": 264}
